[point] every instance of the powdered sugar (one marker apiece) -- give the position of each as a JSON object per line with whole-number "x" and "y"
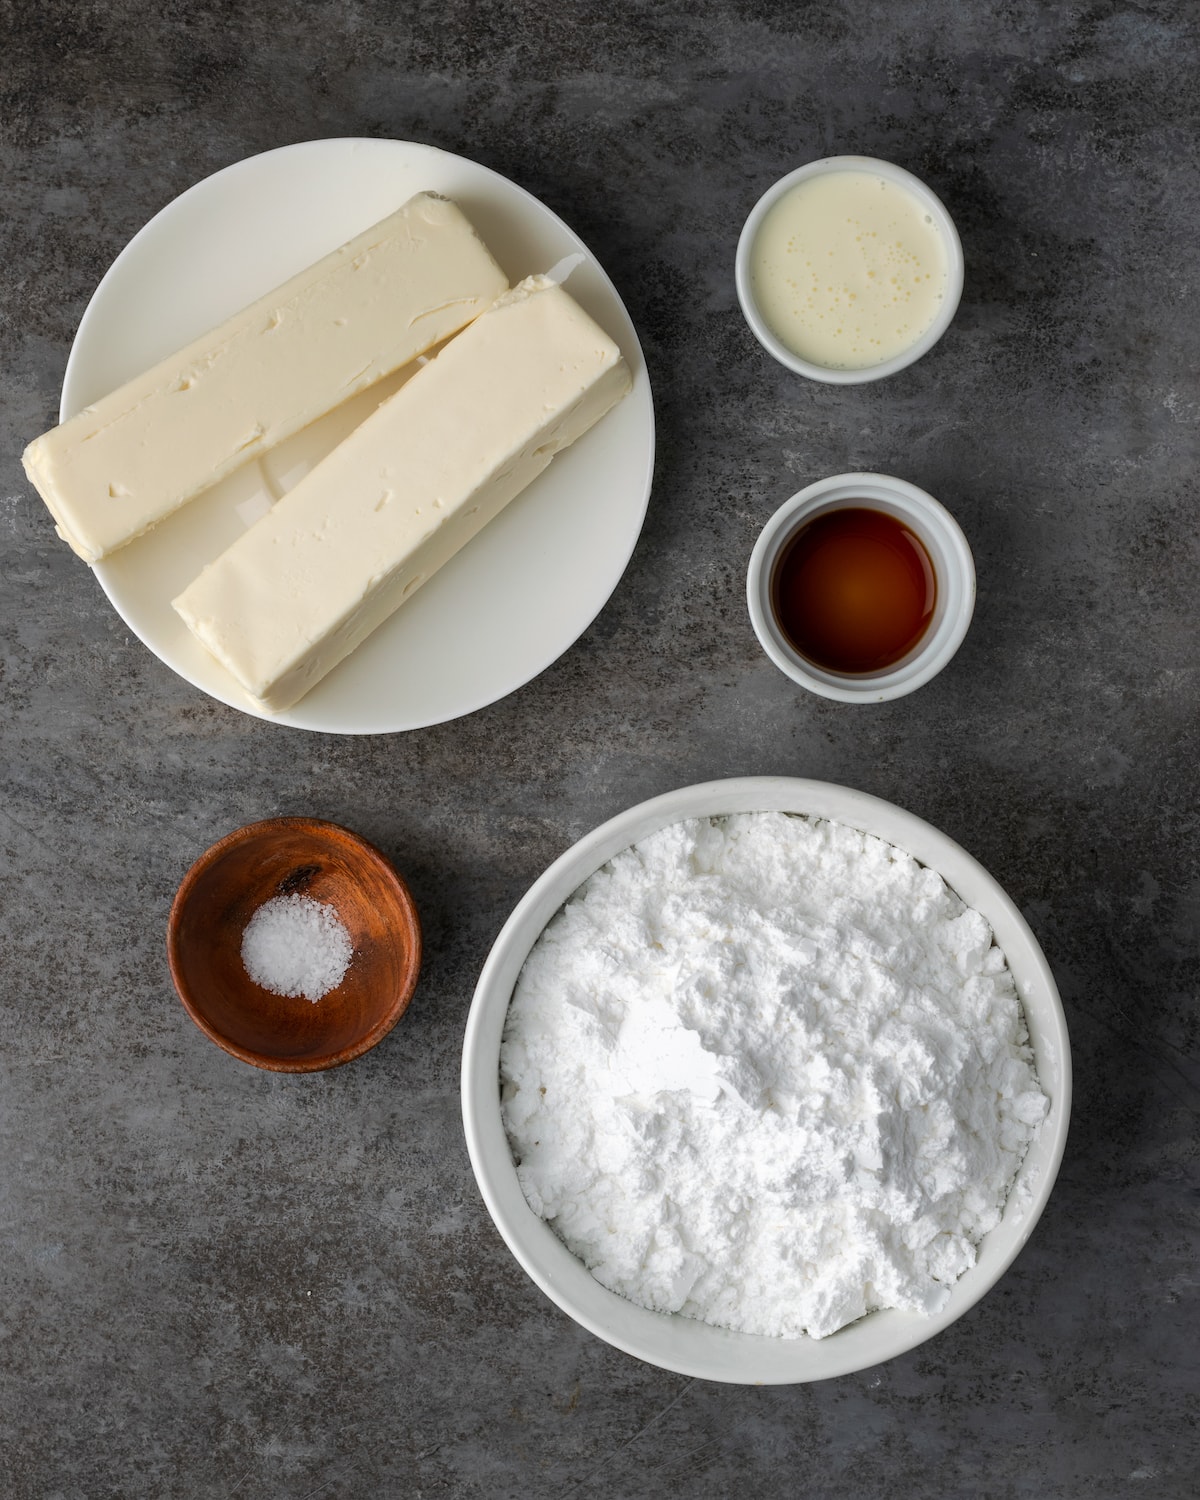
{"x": 294, "y": 945}
{"x": 769, "y": 1072}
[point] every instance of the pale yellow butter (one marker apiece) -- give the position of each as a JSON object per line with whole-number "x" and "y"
{"x": 397, "y": 499}
{"x": 123, "y": 464}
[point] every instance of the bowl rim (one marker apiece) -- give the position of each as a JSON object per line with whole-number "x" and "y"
{"x": 830, "y": 375}
{"x": 685, "y": 1345}
{"x": 371, "y": 855}
{"x": 931, "y": 519}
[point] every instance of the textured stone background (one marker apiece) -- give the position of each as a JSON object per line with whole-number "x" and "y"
{"x": 217, "y": 1282}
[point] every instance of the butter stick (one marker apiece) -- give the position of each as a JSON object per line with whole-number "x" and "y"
{"x": 123, "y": 464}
{"x": 364, "y": 529}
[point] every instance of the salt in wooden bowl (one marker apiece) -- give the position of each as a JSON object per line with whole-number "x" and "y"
{"x": 283, "y": 857}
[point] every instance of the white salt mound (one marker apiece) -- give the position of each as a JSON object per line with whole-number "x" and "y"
{"x": 769, "y": 1072}
{"x": 294, "y": 945}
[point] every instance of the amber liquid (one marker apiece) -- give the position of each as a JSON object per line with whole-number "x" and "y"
{"x": 854, "y": 590}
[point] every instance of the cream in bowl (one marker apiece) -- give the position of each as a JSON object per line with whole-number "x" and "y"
{"x": 849, "y": 269}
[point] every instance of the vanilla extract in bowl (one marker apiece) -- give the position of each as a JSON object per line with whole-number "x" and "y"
{"x": 854, "y": 589}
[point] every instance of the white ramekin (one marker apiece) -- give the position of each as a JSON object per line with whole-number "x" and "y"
{"x": 954, "y": 270}
{"x": 948, "y": 551}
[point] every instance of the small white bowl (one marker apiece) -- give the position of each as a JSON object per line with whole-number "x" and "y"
{"x": 954, "y": 270}
{"x": 684, "y": 1344}
{"x": 948, "y": 551}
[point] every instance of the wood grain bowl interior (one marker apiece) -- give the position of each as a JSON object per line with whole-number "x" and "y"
{"x": 308, "y": 857}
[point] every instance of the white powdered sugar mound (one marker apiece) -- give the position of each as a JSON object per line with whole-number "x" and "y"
{"x": 769, "y": 1072}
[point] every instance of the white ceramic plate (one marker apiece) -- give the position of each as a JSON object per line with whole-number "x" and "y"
{"x": 513, "y": 600}
{"x": 683, "y": 1344}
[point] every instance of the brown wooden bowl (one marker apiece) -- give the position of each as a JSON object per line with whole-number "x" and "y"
{"x": 307, "y": 857}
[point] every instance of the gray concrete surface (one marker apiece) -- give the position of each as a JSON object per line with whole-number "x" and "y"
{"x": 217, "y": 1282}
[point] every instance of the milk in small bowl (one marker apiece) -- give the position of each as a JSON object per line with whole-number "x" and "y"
{"x": 849, "y": 269}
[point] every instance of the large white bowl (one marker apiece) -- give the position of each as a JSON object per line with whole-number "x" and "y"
{"x": 683, "y": 1344}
